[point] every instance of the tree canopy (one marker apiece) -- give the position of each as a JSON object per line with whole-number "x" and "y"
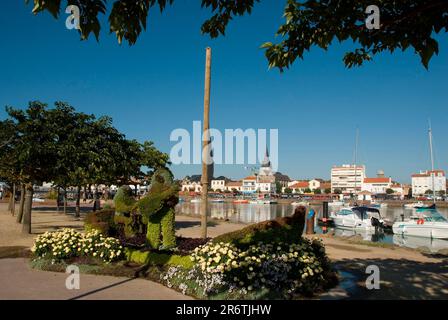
{"x": 404, "y": 24}
{"x": 70, "y": 148}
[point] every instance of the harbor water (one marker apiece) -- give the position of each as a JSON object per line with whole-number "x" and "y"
{"x": 253, "y": 213}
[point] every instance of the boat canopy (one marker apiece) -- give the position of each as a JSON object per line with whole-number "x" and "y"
{"x": 367, "y": 212}
{"x": 430, "y": 215}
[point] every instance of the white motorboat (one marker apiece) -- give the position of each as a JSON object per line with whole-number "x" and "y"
{"x": 425, "y": 223}
{"x": 195, "y": 201}
{"x": 364, "y": 218}
{"x": 336, "y": 203}
{"x": 300, "y": 203}
{"x": 217, "y": 200}
{"x": 418, "y": 205}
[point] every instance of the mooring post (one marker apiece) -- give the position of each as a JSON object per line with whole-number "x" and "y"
{"x": 310, "y": 222}
{"x": 325, "y": 212}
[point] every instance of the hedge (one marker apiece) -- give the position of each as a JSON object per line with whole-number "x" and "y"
{"x": 159, "y": 259}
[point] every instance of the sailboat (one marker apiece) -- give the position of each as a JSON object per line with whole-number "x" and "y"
{"x": 427, "y": 222}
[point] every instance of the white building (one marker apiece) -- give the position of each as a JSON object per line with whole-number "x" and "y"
{"x": 234, "y": 186}
{"x": 314, "y": 184}
{"x": 423, "y": 181}
{"x": 191, "y": 186}
{"x": 377, "y": 185}
{"x": 347, "y": 178}
{"x": 249, "y": 184}
{"x": 266, "y": 179}
{"x": 218, "y": 185}
{"x": 298, "y": 187}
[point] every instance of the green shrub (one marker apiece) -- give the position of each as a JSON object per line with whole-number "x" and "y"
{"x": 286, "y": 229}
{"x": 52, "y": 195}
{"x": 102, "y": 220}
{"x": 124, "y": 200}
{"x": 159, "y": 259}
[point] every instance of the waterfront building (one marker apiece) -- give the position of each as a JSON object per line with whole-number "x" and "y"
{"x": 218, "y": 185}
{"x": 423, "y": 182}
{"x": 314, "y": 184}
{"x": 249, "y": 184}
{"x": 377, "y": 185}
{"x": 234, "y": 186}
{"x": 298, "y": 187}
{"x": 347, "y": 178}
{"x": 191, "y": 186}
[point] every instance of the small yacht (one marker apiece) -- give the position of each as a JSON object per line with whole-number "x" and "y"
{"x": 197, "y": 200}
{"x": 336, "y": 203}
{"x": 418, "y": 205}
{"x": 364, "y": 218}
{"x": 425, "y": 223}
{"x": 300, "y": 203}
{"x": 217, "y": 200}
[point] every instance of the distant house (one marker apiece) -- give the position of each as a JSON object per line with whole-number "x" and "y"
{"x": 188, "y": 185}
{"x": 234, "y": 186}
{"x": 218, "y": 185}
{"x": 423, "y": 181}
{"x": 298, "y": 187}
{"x": 377, "y": 185}
{"x": 364, "y": 196}
{"x": 249, "y": 184}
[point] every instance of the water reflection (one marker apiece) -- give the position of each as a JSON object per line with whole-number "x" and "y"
{"x": 254, "y": 213}
{"x": 434, "y": 245}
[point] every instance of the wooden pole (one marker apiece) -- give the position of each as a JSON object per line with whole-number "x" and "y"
{"x": 13, "y": 208}
{"x": 205, "y": 142}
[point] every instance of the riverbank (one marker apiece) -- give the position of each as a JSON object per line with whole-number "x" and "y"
{"x": 390, "y": 203}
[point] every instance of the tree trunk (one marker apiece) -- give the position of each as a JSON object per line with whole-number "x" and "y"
{"x": 78, "y": 200}
{"x": 13, "y": 208}
{"x": 58, "y": 197}
{"x": 96, "y": 200}
{"x": 85, "y": 194}
{"x": 21, "y": 204}
{"x": 26, "y": 227}
{"x": 10, "y": 200}
{"x": 65, "y": 201}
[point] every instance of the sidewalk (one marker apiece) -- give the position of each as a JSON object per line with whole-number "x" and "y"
{"x": 19, "y": 281}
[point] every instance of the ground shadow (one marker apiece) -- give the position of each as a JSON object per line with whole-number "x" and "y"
{"x": 400, "y": 279}
{"x": 189, "y": 224}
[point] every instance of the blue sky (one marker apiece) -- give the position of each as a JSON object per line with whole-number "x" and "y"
{"x": 156, "y": 86}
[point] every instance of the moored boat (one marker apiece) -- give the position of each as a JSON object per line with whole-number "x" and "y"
{"x": 419, "y": 206}
{"x": 364, "y": 218}
{"x": 300, "y": 203}
{"x": 427, "y": 223}
{"x": 336, "y": 203}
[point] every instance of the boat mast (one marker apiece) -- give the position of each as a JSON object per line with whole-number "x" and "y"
{"x": 356, "y": 160}
{"x": 432, "y": 162}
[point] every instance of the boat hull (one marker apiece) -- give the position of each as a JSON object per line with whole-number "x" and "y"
{"x": 428, "y": 230}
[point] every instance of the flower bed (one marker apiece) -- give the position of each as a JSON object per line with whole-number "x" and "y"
{"x": 69, "y": 243}
{"x": 275, "y": 270}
